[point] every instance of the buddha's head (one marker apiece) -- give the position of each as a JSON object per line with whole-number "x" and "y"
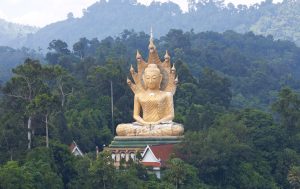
{"x": 152, "y": 77}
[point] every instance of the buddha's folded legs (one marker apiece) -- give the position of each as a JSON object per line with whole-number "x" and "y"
{"x": 166, "y": 129}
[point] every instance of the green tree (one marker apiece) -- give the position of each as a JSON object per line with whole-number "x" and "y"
{"x": 45, "y": 105}
{"x": 64, "y": 162}
{"x": 81, "y": 180}
{"x": 224, "y": 159}
{"x": 59, "y": 46}
{"x": 12, "y": 136}
{"x": 24, "y": 86}
{"x": 81, "y": 47}
{"x": 60, "y": 82}
{"x": 216, "y": 88}
{"x": 287, "y": 106}
{"x": 12, "y": 176}
{"x": 294, "y": 177}
{"x": 43, "y": 175}
{"x": 58, "y": 52}
{"x": 181, "y": 174}
{"x": 102, "y": 172}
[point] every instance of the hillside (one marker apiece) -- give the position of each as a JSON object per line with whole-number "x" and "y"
{"x": 282, "y": 22}
{"x": 98, "y": 21}
{"x": 279, "y": 20}
{"x": 12, "y": 34}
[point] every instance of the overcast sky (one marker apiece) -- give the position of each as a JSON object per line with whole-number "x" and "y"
{"x": 43, "y": 12}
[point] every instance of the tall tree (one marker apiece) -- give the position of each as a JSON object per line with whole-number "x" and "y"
{"x": 25, "y": 85}
{"x": 80, "y": 48}
{"x": 59, "y": 46}
{"x": 287, "y": 106}
{"x": 60, "y": 82}
{"x": 102, "y": 172}
{"x": 45, "y": 105}
{"x": 181, "y": 174}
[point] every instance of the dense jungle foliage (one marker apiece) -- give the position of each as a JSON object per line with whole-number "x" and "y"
{"x": 237, "y": 98}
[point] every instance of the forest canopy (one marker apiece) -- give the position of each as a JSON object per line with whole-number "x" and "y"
{"x": 237, "y": 98}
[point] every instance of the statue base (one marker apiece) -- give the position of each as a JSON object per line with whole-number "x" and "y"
{"x": 143, "y": 141}
{"x": 127, "y": 147}
{"x": 168, "y": 128}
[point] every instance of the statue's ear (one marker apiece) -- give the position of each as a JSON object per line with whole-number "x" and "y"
{"x": 144, "y": 81}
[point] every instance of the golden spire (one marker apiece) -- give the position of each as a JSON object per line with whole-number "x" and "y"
{"x": 167, "y": 56}
{"x": 151, "y": 44}
{"x": 153, "y": 56}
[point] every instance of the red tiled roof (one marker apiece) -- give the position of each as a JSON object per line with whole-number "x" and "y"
{"x": 151, "y": 164}
{"x": 163, "y": 151}
{"x": 72, "y": 146}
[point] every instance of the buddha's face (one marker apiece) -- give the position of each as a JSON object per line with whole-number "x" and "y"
{"x": 152, "y": 77}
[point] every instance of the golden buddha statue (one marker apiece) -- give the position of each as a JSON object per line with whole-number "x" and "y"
{"x": 154, "y": 86}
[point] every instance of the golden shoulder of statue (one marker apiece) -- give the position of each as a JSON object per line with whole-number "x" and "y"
{"x": 153, "y": 87}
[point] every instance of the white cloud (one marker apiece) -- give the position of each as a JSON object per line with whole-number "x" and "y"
{"x": 41, "y": 12}
{"x": 33, "y": 18}
{"x": 3, "y": 15}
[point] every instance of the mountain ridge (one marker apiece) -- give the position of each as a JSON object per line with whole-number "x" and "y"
{"x": 12, "y": 33}
{"x": 267, "y": 18}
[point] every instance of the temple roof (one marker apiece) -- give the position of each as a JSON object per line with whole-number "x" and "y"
{"x": 161, "y": 152}
{"x": 74, "y": 149}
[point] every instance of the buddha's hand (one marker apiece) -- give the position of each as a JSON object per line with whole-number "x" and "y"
{"x": 154, "y": 123}
{"x": 159, "y": 122}
{"x": 142, "y": 122}
{"x": 149, "y": 123}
